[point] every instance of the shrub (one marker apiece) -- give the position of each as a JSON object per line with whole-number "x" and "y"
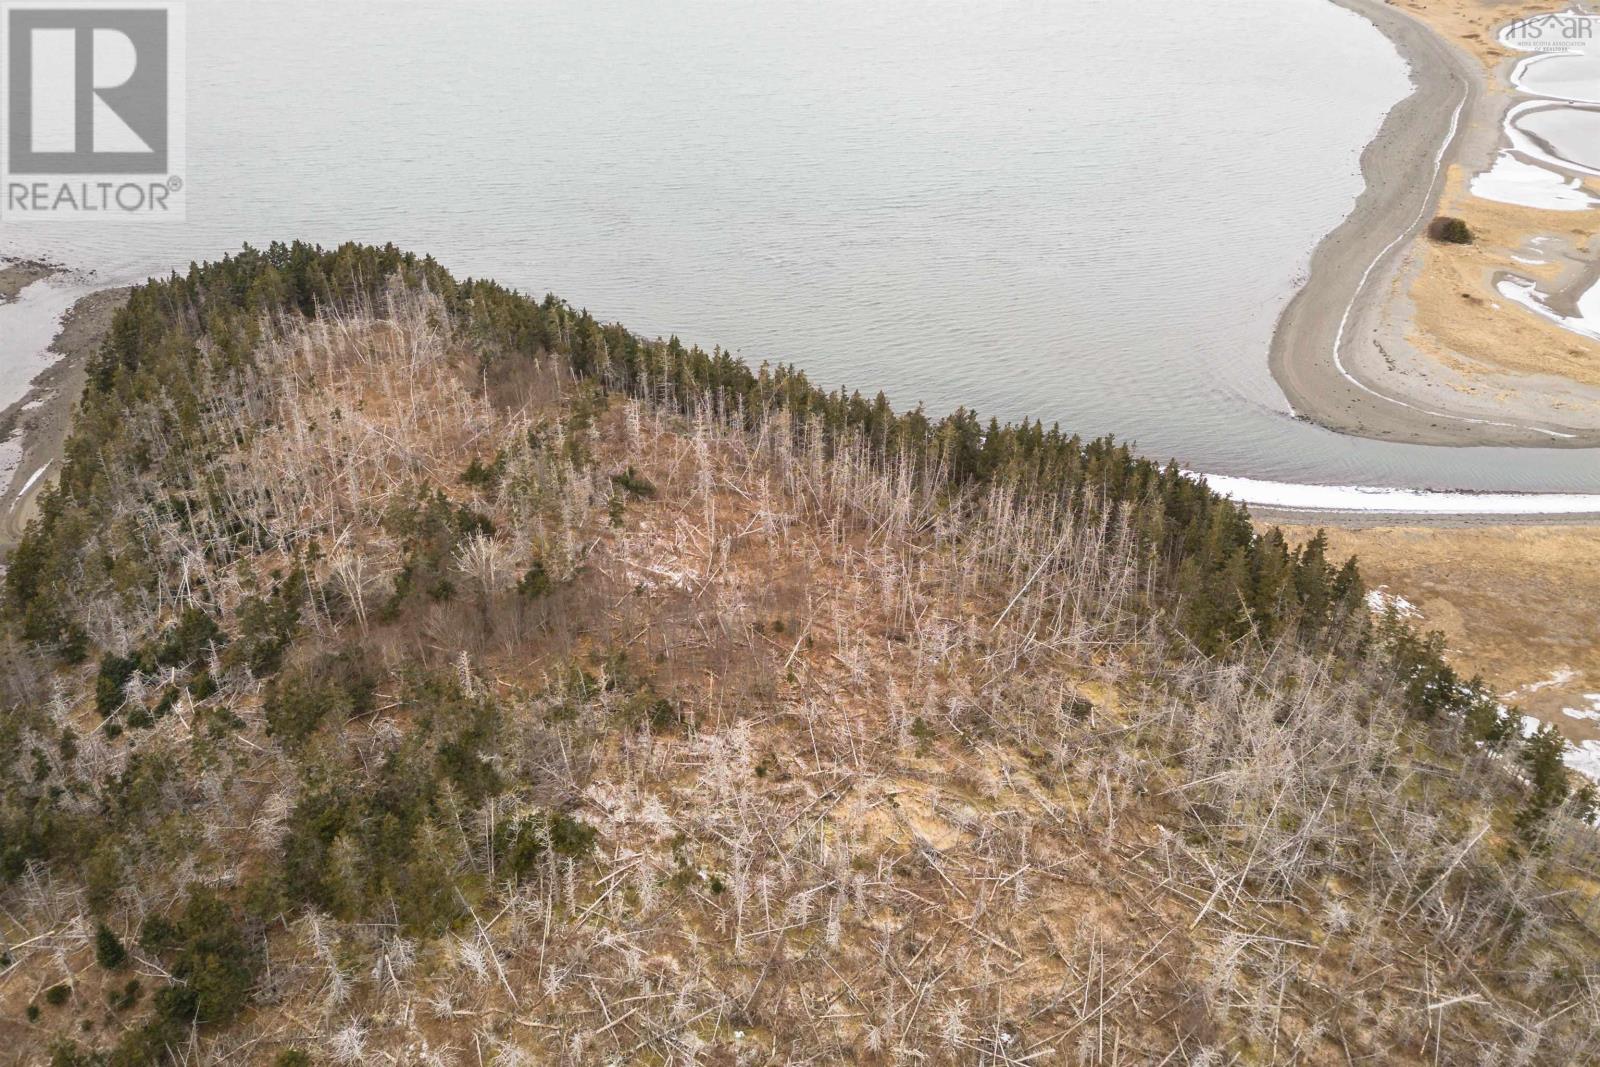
{"x": 648, "y": 706}
{"x": 266, "y": 626}
{"x": 633, "y": 483}
{"x": 126, "y": 997}
{"x": 463, "y": 757}
{"x": 484, "y": 476}
{"x": 57, "y": 995}
{"x": 104, "y": 873}
{"x": 187, "y": 641}
{"x": 535, "y": 583}
{"x": 201, "y": 687}
{"x": 298, "y": 701}
{"x": 1586, "y": 802}
{"x": 571, "y": 837}
{"x": 1541, "y": 759}
{"x": 209, "y": 957}
{"x": 151, "y": 1043}
{"x": 108, "y": 950}
{"x": 1450, "y": 230}
{"x": 108, "y": 684}
{"x": 68, "y": 1054}
{"x": 430, "y": 528}
{"x": 520, "y": 842}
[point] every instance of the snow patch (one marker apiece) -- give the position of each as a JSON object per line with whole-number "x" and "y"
{"x": 1511, "y": 181}
{"x": 1584, "y": 757}
{"x": 1299, "y": 497}
{"x": 34, "y": 477}
{"x": 1381, "y": 603}
{"x": 1590, "y": 713}
{"x": 1586, "y": 323}
{"x": 1580, "y": 756}
{"x": 1560, "y": 676}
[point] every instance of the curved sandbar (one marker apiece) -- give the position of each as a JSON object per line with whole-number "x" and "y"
{"x": 1342, "y": 306}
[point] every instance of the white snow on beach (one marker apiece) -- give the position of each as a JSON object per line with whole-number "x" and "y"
{"x": 1586, "y": 323}
{"x": 34, "y": 477}
{"x": 1296, "y": 497}
{"x": 31, "y": 322}
{"x": 10, "y": 459}
{"x": 1511, "y": 181}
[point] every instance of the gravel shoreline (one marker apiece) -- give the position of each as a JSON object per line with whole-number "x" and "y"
{"x": 43, "y": 416}
{"x": 17, "y": 276}
{"x": 1353, "y": 270}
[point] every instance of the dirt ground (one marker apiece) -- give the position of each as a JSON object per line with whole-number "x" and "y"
{"x": 1521, "y": 604}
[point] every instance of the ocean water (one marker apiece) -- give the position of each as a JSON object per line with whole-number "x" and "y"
{"x": 1084, "y": 213}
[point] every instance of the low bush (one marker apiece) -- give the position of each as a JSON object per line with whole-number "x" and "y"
{"x": 1450, "y": 230}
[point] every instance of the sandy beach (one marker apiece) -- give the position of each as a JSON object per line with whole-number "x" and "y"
{"x": 1346, "y": 352}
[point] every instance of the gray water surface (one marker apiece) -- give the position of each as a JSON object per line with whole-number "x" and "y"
{"x": 1081, "y": 212}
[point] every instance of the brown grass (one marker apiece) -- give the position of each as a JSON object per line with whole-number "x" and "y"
{"x": 1459, "y": 314}
{"x": 1517, "y": 603}
{"x": 1473, "y": 24}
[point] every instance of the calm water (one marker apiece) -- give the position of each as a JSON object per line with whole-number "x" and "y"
{"x": 1075, "y": 211}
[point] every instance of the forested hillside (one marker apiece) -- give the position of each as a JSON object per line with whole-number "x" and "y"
{"x": 408, "y": 671}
